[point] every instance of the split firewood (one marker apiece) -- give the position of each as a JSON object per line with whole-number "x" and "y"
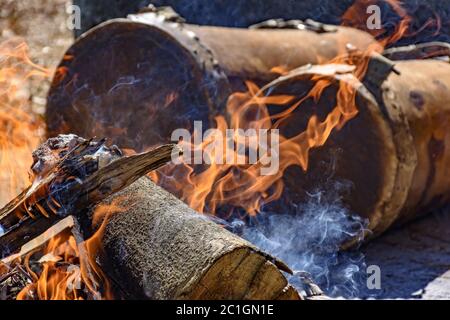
{"x": 37, "y": 243}
{"x": 15, "y": 270}
{"x": 71, "y": 174}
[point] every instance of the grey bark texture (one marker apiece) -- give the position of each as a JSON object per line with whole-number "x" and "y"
{"x": 159, "y": 248}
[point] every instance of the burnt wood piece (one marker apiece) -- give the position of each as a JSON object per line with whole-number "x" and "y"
{"x": 426, "y": 50}
{"x": 168, "y": 73}
{"x": 83, "y": 176}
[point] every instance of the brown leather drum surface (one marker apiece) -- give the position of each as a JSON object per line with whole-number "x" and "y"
{"x": 362, "y": 155}
{"x": 422, "y": 91}
{"x": 130, "y": 82}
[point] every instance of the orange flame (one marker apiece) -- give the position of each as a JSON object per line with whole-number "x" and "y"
{"x": 21, "y": 130}
{"x": 69, "y": 268}
{"x": 357, "y": 16}
{"x": 242, "y": 185}
{"x": 207, "y": 188}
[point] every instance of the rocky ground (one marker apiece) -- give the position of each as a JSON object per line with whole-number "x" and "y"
{"x": 414, "y": 260}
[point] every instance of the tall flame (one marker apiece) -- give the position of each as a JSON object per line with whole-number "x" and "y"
{"x": 234, "y": 186}
{"x": 69, "y": 270}
{"x": 21, "y": 130}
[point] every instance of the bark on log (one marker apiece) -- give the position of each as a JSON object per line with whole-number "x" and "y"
{"x": 395, "y": 152}
{"x": 152, "y": 63}
{"x": 159, "y": 248}
{"x": 419, "y": 51}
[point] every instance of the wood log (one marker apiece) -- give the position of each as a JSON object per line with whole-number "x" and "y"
{"x": 159, "y": 248}
{"x": 71, "y": 180}
{"x": 394, "y": 153}
{"x": 243, "y": 13}
{"x": 161, "y": 64}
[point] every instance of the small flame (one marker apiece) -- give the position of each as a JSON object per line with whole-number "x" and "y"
{"x": 242, "y": 185}
{"x": 357, "y": 16}
{"x": 67, "y": 269}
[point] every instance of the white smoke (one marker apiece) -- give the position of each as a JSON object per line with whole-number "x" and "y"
{"x": 309, "y": 241}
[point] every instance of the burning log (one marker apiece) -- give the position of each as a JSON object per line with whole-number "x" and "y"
{"x": 71, "y": 175}
{"x": 158, "y": 248}
{"x": 168, "y": 73}
{"x": 393, "y": 152}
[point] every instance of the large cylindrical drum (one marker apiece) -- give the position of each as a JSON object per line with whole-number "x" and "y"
{"x": 135, "y": 80}
{"x": 393, "y": 154}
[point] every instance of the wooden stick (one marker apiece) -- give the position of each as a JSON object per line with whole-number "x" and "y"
{"x": 64, "y": 190}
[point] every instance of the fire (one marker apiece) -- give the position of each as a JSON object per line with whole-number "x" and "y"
{"x": 357, "y": 16}
{"x": 219, "y": 185}
{"x": 69, "y": 270}
{"x": 242, "y": 186}
{"x": 65, "y": 268}
{"x": 53, "y": 281}
{"x": 21, "y": 130}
